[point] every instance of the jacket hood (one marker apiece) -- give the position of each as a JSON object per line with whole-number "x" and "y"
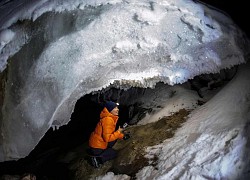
{"x": 106, "y": 113}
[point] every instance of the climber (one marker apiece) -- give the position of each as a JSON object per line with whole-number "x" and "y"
{"x": 105, "y": 135}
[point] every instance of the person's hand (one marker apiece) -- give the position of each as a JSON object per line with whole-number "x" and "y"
{"x": 126, "y": 136}
{"x": 120, "y": 129}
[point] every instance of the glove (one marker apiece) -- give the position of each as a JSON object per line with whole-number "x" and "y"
{"x": 126, "y": 136}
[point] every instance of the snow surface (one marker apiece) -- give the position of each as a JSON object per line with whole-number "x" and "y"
{"x": 212, "y": 144}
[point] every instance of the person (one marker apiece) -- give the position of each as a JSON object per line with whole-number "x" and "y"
{"x": 105, "y": 135}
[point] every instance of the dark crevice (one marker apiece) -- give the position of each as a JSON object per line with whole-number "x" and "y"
{"x": 43, "y": 160}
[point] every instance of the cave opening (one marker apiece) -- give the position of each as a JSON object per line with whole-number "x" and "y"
{"x": 45, "y": 160}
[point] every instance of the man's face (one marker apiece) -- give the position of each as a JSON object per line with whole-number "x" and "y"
{"x": 115, "y": 111}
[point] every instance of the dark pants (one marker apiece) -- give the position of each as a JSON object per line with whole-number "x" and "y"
{"x": 105, "y": 154}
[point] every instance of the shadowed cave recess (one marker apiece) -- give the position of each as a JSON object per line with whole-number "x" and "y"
{"x": 44, "y": 160}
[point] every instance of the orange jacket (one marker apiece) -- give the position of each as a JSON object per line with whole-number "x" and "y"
{"x": 105, "y": 131}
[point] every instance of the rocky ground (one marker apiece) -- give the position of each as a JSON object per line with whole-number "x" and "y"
{"x": 131, "y": 153}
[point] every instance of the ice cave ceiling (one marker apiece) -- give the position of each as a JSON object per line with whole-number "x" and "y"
{"x": 59, "y": 51}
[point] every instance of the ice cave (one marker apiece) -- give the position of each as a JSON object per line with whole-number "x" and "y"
{"x": 61, "y": 59}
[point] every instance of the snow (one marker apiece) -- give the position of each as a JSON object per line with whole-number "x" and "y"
{"x": 6, "y": 36}
{"x": 110, "y": 175}
{"x": 212, "y": 144}
{"x": 176, "y": 98}
{"x": 131, "y": 43}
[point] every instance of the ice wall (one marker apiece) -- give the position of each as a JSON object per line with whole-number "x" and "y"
{"x": 64, "y": 55}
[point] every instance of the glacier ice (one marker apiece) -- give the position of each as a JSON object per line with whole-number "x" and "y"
{"x": 78, "y": 47}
